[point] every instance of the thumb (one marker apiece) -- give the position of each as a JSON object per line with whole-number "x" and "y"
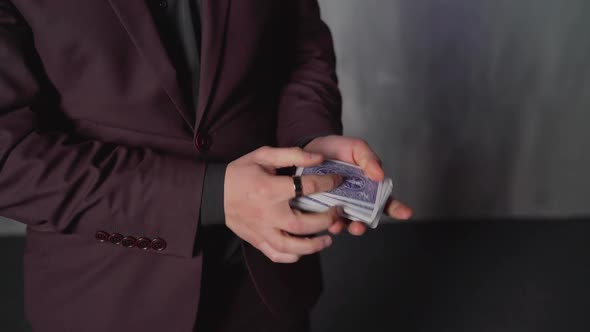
{"x": 286, "y": 157}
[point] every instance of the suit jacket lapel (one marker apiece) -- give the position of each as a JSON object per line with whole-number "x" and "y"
{"x": 214, "y": 15}
{"x": 137, "y": 20}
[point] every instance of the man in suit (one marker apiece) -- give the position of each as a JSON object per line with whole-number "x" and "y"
{"x": 135, "y": 143}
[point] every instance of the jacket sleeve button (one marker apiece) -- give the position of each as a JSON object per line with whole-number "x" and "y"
{"x": 115, "y": 238}
{"x": 143, "y": 243}
{"x": 101, "y": 236}
{"x": 128, "y": 242}
{"x": 158, "y": 244}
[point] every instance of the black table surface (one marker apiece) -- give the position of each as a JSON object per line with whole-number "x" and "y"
{"x": 492, "y": 275}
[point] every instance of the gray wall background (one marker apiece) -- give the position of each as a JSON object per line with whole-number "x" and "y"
{"x": 478, "y": 109}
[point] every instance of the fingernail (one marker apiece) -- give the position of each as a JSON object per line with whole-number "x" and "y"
{"x": 328, "y": 241}
{"x": 337, "y": 179}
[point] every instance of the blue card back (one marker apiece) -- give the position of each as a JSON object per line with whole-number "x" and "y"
{"x": 355, "y": 184}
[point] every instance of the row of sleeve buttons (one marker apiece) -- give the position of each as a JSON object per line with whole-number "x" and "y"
{"x": 143, "y": 243}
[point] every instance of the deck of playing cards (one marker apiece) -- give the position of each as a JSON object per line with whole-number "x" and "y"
{"x": 361, "y": 198}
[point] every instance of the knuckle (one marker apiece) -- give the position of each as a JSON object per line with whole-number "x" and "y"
{"x": 334, "y": 215}
{"x": 293, "y": 224}
{"x": 274, "y": 257}
{"x": 330, "y": 182}
{"x": 361, "y": 143}
{"x": 337, "y": 180}
{"x": 327, "y": 219}
{"x": 311, "y": 247}
{"x": 263, "y": 151}
{"x": 296, "y": 153}
{"x": 324, "y": 219}
{"x": 264, "y": 188}
{"x": 257, "y": 243}
{"x": 312, "y": 186}
{"x": 318, "y": 246}
{"x": 258, "y": 212}
{"x": 281, "y": 245}
{"x": 261, "y": 189}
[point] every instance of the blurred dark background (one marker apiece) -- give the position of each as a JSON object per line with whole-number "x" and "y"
{"x": 480, "y": 111}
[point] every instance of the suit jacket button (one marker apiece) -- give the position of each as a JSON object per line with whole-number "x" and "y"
{"x": 129, "y": 242}
{"x": 158, "y": 244}
{"x": 115, "y": 238}
{"x": 101, "y": 236}
{"x": 143, "y": 243}
{"x": 203, "y": 141}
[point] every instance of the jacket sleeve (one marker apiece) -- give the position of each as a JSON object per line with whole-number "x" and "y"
{"x": 54, "y": 181}
{"x": 310, "y": 104}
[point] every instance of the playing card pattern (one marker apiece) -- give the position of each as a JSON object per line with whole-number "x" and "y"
{"x": 361, "y": 198}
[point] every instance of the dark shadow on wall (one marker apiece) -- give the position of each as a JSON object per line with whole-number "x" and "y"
{"x": 429, "y": 276}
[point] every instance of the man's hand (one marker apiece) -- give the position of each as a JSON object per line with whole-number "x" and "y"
{"x": 358, "y": 152}
{"x": 256, "y": 203}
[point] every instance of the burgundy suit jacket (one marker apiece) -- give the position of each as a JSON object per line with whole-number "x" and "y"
{"x": 96, "y": 136}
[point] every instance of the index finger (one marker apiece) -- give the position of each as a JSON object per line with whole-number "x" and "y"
{"x": 310, "y": 223}
{"x": 286, "y": 157}
{"x": 310, "y": 184}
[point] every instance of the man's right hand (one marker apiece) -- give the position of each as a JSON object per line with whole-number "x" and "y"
{"x": 256, "y": 203}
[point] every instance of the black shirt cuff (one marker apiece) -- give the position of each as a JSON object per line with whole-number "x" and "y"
{"x": 212, "y": 211}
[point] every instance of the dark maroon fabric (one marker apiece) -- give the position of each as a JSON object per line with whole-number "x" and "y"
{"x": 230, "y": 302}
{"x": 95, "y": 136}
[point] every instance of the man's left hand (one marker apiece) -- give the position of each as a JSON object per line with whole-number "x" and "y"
{"x": 358, "y": 152}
